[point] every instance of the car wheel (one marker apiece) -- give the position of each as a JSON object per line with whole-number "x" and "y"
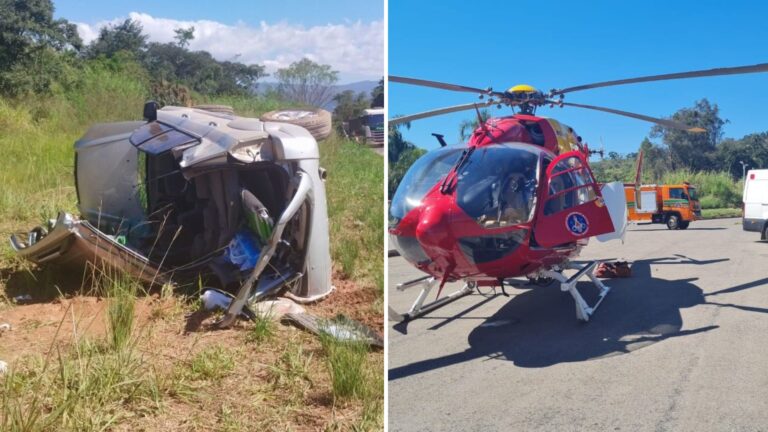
{"x": 316, "y": 121}
{"x": 673, "y": 221}
{"x": 684, "y": 225}
{"x": 765, "y": 233}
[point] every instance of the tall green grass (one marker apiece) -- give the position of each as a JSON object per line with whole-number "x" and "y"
{"x": 121, "y": 291}
{"x": 37, "y": 136}
{"x": 87, "y": 385}
{"x": 716, "y": 189}
{"x": 355, "y": 208}
{"x": 346, "y": 365}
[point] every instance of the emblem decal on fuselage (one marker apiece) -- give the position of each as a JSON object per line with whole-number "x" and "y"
{"x": 577, "y": 224}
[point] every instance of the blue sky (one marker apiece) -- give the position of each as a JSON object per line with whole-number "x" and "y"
{"x": 307, "y": 12}
{"x": 558, "y": 44}
{"x": 347, "y": 34}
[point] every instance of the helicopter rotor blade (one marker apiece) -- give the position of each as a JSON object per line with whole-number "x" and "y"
{"x": 762, "y": 67}
{"x": 663, "y": 122}
{"x": 439, "y": 111}
{"x": 444, "y": 86}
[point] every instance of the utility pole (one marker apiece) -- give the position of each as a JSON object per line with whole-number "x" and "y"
{"x": 743, "y": 169}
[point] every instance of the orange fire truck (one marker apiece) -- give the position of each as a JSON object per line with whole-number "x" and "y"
{"x": 674, "y": 205}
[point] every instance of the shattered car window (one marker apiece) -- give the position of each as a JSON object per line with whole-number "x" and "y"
{"x": 155, "y": 138}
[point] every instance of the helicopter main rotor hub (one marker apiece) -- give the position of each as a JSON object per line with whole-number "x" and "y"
{"x": 526, "y": 97}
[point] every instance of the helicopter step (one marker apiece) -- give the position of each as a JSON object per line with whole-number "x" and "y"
{"x": 419, "y": 308}
{"x": 583, "y": 310}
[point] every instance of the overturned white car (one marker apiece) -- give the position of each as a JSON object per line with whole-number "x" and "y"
{"x": 193, "y": 193}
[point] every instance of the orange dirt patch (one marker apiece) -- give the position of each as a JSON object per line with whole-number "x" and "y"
{"x": 352, "y": 300}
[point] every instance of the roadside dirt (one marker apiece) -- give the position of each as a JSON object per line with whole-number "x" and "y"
{"x": 38, "y": 327}
{"x": 249, "y": 393}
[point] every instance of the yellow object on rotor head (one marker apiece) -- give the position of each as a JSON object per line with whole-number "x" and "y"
{"x": 522, "y": 88}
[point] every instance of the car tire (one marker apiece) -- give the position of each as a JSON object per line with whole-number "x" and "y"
{"x": 684, "y": 225}
{"x": 765, "y": 233}
{"x": 673, "y": 222}
{"x": 224, "y": 109}
{"x": 316, "y": 121}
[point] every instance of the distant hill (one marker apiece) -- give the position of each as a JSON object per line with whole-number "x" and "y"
{"x": 358, "y": 86}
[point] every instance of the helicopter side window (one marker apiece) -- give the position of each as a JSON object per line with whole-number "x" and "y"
{"x": 570, "y": 185}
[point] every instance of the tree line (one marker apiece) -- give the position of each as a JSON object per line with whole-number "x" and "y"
{"x": 42, "y": 55}
{"x": 668, "y": 150}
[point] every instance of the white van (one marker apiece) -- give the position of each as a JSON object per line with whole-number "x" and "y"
{"x": 756, "y": 202}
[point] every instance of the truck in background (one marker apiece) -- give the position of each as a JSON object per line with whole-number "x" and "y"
{"x": 674, "y": 205}
{"x": 373, "y": 125}
{"x": 755, "y": 200}
{"x": 368, "y": 128}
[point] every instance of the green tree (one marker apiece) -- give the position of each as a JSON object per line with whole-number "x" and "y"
{"x": 307, "y": 82}
{"x": 696, "y": 151}
{"x": 396, "y": 144}
{"x": 29, "y": 40}
{"x": 239, "y": 78}
{"x": 199, "y": 70}
{"x": 349, "y": 106}
{"x": 377, "y": 95}
{"x": 751, "y": 149}
{"x": 128, "y": 36}
{"x": 656, "y": 161}
{"x": 184, "y": 36}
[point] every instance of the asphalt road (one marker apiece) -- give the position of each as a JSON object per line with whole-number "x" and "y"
{"x": 682, "y": 345}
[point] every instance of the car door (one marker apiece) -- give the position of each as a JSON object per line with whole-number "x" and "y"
{"x": 572, "y": 206}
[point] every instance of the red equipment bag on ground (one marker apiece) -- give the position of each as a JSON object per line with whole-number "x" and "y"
{"x": 616, "y": 269}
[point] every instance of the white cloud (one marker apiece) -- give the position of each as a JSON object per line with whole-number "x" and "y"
{"x": 355, "y": 49}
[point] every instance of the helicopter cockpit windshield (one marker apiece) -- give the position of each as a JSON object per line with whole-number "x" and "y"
{"x": 424, "y": 174}
{"x": 497, "y": 185}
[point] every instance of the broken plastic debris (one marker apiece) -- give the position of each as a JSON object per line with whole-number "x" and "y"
{"x": 340, "y": 332}
{"x": 340, "y": 328}
{"x": 21, "y": 299}
{"x": 3, "y": 367}
{"x": 275, "y": 309}
{"x": 5, "y": 327}
{"x": 214, "y": 300}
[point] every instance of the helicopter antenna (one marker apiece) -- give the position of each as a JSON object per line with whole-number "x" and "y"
{"x": 440, "y": 139}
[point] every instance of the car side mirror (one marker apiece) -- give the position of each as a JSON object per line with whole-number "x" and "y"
{"x": 150, "y": 111}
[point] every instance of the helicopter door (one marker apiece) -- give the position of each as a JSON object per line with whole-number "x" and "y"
{"x": 573, "y": 205}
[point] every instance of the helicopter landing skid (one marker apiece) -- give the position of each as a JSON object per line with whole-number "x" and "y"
{"x": 419, "y": 308}
{"x": 583, "y": 310}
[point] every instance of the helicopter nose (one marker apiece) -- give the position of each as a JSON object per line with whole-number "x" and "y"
{"x": 432, "y": 230}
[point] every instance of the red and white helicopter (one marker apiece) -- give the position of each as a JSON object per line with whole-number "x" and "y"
{"x": 519, "y": 199}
